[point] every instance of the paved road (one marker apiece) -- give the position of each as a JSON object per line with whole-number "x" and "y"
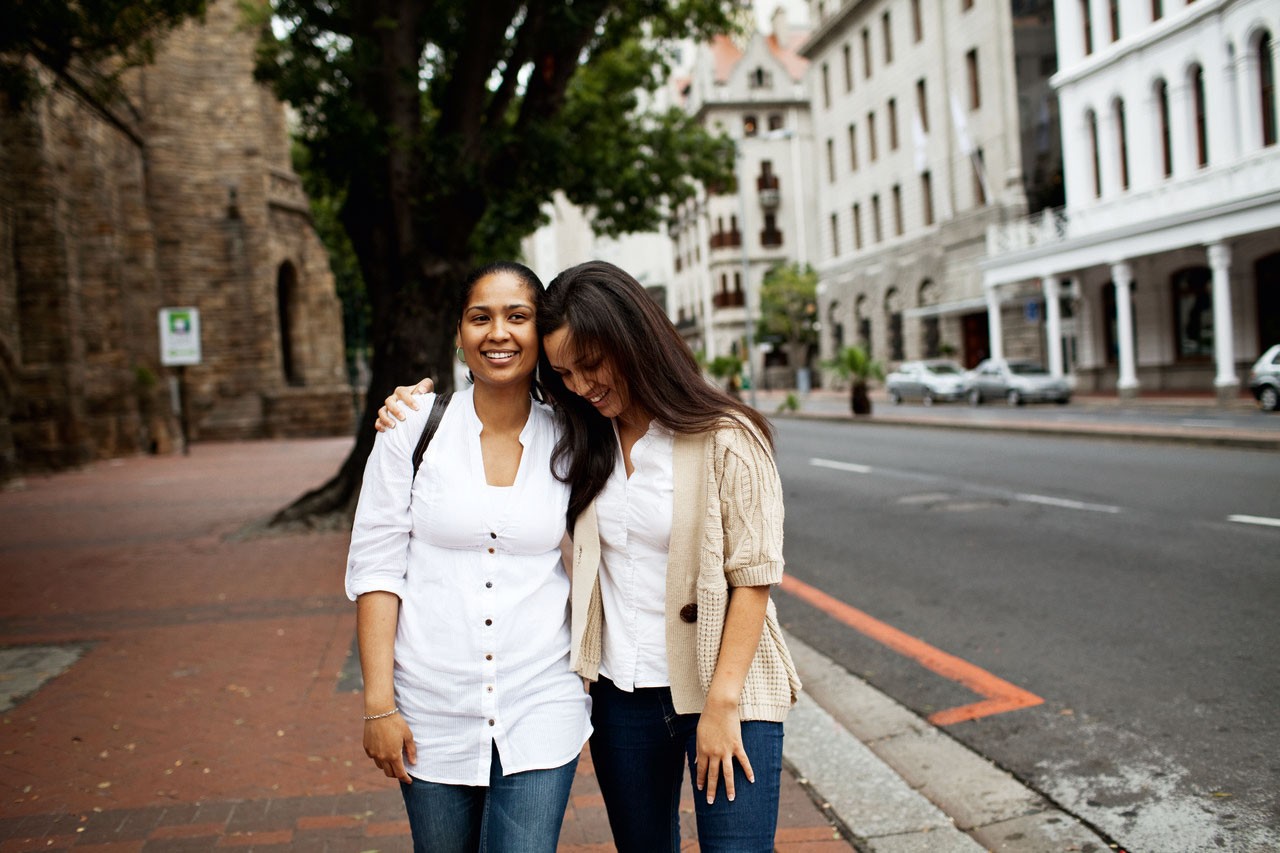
{"x": 1105, "y": 578}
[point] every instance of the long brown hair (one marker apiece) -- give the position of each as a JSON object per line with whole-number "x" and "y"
{"x": 610, "y": 315}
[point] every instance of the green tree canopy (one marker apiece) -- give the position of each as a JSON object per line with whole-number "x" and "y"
{"x": 788, "y": 304}
{"x": 444, "y": 127}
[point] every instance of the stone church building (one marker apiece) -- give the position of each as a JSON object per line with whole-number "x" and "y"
{"x": 184, "y": 196}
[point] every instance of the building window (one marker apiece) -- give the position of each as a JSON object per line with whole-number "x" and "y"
{"x": 922, "y": 105}
{"x": 831, "y": 161}
{"x": 917, "y": 21}
{"x": 853, "y": 147}
{"x": 897, "y": 210}
{"x": 893, "y": 124}
{"x": 770, "y": 236}
{"x": 857, "y": 226}
{"x": 760, "y": 79}
{"x": 1166, "y": 138}
{"x": 979, "y": 178}
{"x": 971, "y": 70}
{"x": 1157, "y": 9}
{"x": 866, "y": 53}
{"x": 848, "y": 67}
{"x": 886, "y": 27}
{"x": 1111, "y": 332}
{"x": 1086, "y": 20}
{"x": 1193, "y": 305}
{"x": 1198, "y": 116}
{"x": 1091, "y": 119}
{"x": 826, "y": 86}
{"x": 871, "y": 136}
{"x": 1113, "y": 10}
{"x": 775, "y": 121}
{"x": 1267, "y": 88}
{"x": 926, "y": 196}
{"x": 1122, "y": 145}
{"x": 749, "y": 126}
{"x": 876, "y": 226}
{"x": 835, "y": 236}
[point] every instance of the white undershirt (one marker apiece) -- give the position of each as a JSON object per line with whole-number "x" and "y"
{"x": 482, "y": 643}
{"x": 635, "y": 537}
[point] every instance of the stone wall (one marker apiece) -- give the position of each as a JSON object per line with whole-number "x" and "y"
{"x": 191, "y": 203}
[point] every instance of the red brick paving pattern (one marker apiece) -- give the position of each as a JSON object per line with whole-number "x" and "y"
{"x": 204, "y": 714}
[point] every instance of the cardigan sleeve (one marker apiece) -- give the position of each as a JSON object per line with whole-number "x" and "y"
{"x": 751, "y": 511}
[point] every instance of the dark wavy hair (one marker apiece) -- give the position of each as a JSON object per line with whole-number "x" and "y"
{"x": 611, "y": 316}
{"x": 532, "y": 283}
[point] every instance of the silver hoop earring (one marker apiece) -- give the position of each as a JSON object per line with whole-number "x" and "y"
{"x": 462, "y": 358}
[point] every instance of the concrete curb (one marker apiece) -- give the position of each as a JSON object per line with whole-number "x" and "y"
{"x": 1115, "y": 432}
{"x": 901, "y": 786}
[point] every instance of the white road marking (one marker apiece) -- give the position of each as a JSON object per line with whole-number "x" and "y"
{"x": 840, "y": 466}
{"x": 1255, "y": 519}
{"x": 1065, "y": 503}
{"x": 1212, "y": 424}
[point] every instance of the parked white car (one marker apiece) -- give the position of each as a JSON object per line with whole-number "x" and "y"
{"x": 1015, "y": 382}
{"x": 927, "y": 381}
{"x": 1264, "y": 380}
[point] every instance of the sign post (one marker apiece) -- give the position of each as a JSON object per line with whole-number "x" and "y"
{"x": 179, "y": 347}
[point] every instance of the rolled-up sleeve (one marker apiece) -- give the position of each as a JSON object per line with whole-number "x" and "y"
{"x": 751, "y": 510}
{"x": 378, "y": 557}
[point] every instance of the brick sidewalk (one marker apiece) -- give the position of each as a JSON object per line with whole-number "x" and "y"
{"x": 204, "y": 710}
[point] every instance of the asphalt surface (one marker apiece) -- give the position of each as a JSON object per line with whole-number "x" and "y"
{"x": 191, "y": 701}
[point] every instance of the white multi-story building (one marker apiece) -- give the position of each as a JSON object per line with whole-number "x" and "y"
{"x": 725, "y": 241}
{"x": 932, "y": 120}
{"x": 1163, "y": 270}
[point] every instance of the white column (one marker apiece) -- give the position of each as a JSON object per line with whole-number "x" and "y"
{"x": 1053, "y": 324}
{"x": 1182, "y": 127}
{"x": 1231, "y": 129}
{"x": 1249, "y": 94}
{"x": 1122, "y": 278}
{"x": 995, "y": 331}
{"x": 1226, "y": 382}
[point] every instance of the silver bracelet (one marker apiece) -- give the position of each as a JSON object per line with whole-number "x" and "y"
{"x": 381, "y": 716}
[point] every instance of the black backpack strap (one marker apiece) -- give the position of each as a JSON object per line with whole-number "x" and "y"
{"x": 433, "y": 423}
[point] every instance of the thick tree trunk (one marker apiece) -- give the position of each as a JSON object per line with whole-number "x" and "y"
{"x": 418, "y": 342}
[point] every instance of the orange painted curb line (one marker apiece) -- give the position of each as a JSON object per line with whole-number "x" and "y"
{"x": 999, "y": 695}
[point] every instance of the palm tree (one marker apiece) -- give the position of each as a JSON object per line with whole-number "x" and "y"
{"x": 853, "y": 363}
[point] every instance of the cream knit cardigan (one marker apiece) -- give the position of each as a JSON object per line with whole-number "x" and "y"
{"x": 726, "y": 531}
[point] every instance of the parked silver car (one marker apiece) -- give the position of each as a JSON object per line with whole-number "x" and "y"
{"x": 1015, "y": 382}
{"x": 1264, "y": 380}
{"x": 927, "y": 381}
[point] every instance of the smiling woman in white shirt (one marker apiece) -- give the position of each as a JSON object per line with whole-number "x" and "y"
{"x": 462, "y": 597}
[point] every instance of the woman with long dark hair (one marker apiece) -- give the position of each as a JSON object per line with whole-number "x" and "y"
{"x": 461, "y": 591}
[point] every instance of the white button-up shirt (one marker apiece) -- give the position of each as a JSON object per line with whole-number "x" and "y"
{"x": 635, "y": 536}
{"x": 482, "y": 642}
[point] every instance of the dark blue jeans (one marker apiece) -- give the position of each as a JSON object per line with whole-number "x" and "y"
{"x": 640, "y": 748}
{"x": 520, "y": 813}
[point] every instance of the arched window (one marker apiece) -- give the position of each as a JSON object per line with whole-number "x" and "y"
{"x": 862, "y": 316}
{"x": 1267, "y": 89}
{"x": 893, "y": 321}
{"x": 286, "y": 300}
{"x": 1196, "y": 79}
{"x": 1091, "y": 121}
{"x": 1193, "y": 307}
{"x": 1122, "y": 144}
{"x": 1162, "y": 125}
{"x": 929, "y": 326}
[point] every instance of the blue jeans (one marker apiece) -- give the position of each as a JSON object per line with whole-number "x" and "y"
{"x": 640, "y": 748}
{"x": 520, "y": 813}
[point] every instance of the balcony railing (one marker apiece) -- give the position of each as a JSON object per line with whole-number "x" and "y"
{"x": 727, "y": 299}
{"x": 726, "y": 239}
{"x": 771, "y": 239}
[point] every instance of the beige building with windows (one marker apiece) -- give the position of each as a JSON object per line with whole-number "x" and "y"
{"x": 727, "y": 239}
{"x": 932, "y": 121}
{"x": 1162, "y": 272}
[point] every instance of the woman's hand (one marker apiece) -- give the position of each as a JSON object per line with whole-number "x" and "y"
{"x": 387, "y": 741}
{"x": 390, "y": 411}
{"x": 719, "y": 742}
